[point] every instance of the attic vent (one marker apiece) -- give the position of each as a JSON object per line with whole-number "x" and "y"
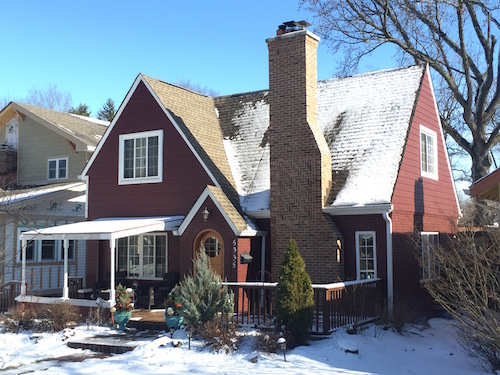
{"x": 291, "y": 26}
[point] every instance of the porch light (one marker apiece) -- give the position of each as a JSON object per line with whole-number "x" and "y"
{"x": 282, "y": 344}
{"x": 205, "y": 214}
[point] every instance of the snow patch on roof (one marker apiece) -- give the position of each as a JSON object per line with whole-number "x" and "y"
{"x": 365, "y": 120}
{"x": 247, "y": 149}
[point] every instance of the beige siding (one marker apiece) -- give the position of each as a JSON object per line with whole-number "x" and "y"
{"x": 2, "y": 134}
{"x": 37, "y": 144}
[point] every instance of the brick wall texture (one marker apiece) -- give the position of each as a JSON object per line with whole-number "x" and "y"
{"x": 300, "y": 160}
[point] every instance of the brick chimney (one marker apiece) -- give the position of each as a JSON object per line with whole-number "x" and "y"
{"x": 301, "y": 165}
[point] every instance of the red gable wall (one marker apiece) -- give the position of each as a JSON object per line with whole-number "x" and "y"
{"x": 183, "y": 177}
{"x": 422, "y": 203}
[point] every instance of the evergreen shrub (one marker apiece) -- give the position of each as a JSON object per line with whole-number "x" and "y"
{"x": 295, "y": 298}
{"x": 203, "y": 296}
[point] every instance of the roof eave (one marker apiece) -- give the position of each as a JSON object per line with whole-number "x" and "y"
{"x": 368, "y": 209}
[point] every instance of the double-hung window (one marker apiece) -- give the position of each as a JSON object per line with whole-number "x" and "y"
{"x": 429, "y": 264}
{"x": 366, "y": 255}
{"x": 428, "y": 153}
{"x": 140, "y": 157}
{"x": 58, "y": 168}
{"x": 143, "y": 256}
{"x": 45, "y": 250}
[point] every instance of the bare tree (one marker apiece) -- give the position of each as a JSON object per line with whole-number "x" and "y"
{"x": 468, "y": 287}
{"x": 49, "y": 98}
{"x": 457, "y": 38}
{"x": 196, "y": 87}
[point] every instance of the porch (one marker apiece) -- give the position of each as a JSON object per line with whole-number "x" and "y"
{"x": 335, "y": 305}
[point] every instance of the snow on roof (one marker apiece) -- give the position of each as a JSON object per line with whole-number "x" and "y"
{"x": 244, "y": 120}
{"x": 364, "y": 118}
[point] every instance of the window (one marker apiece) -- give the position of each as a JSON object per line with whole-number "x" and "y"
{"x": 140, "y": 157}
{"x": 71, "y": 250}
{"x": 45, "y": 250}
{"x": 428, "y": 153}
{"x": 429, "y": 264}
{"x": 143, "y": 256}
{"x": 366, "y": 255}
{"x": 58, "y": 168}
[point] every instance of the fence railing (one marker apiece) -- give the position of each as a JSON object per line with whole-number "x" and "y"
{"x": 335, "y": 305}
{"x": 8, "y": 293}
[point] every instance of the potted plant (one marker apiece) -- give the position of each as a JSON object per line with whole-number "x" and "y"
{"x": 173, "y": 310}
{"x": 122, "y": 308}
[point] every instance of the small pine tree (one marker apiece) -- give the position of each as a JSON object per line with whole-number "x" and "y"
{"x": 202, "y": 294}
{"x": 295, "y": 297}
{"x": 107, "y": 112}
{"x": 82, "y": 110}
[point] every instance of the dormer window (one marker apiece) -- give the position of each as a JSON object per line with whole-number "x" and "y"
{"x": 141, "y": 157}
{"x": 428, "y": 153}
{"x": 58, "y": 168}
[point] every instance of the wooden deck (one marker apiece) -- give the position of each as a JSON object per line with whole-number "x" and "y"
{"x": 143, "y": 319}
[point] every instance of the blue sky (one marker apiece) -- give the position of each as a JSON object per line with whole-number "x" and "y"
{"x": 95, "y": 49}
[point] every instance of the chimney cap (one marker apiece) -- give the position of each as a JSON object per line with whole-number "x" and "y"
{"x": 290, "y": 26}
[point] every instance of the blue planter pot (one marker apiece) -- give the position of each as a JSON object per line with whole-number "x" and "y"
{"x": 173, "y": 321}
{"x": 121, "y": 319}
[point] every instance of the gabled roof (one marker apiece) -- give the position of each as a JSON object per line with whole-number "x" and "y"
{"x": 240, "y": 225}
{"x": 84, "y": 132}
{"x": 365, "y": 119}
{"x": 46, "y": 202}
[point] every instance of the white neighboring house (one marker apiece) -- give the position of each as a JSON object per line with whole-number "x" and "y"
{"x": 42, "y": 152}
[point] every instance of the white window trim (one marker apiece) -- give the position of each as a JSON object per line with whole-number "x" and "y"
{"x": 430, "y": 133}
{"x": 140, "y": 180}
{"x": 358, "y": 270}
{"x": 141, "y": 256}
{"x": 427, "y": 266}
{"x": 37, "y": 249}
{"x": 57, "y": 160}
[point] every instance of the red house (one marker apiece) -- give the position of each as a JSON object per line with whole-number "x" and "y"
{"x": 349, "y": 167}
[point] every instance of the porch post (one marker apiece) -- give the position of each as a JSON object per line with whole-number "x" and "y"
{"x": 65, "y": 282}
{"x": 23, "y": 267}
{"x": 112, "y": 273}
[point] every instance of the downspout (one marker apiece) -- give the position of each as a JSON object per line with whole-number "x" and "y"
{"x": 390, "y": 273}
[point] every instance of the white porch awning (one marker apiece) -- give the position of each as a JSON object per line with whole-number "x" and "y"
{"x": 105, "y": 228}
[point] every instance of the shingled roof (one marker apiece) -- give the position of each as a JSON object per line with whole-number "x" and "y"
{"x": 84, "y": 132}
{"x": 365, "y": 119}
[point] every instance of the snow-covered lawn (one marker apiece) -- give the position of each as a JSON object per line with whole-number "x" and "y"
{"x": 428, "y": 351}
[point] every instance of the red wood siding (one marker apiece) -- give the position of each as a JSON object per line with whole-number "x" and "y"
{"x": 183, "y": 176}
{"x": 348, "y": 226}
{"x": 420, "y": 203}
{"x": 183, "y": 254}
{"x": 414, "y": 193}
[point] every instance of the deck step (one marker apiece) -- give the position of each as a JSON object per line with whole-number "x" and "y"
{"x": 108, "y": 346}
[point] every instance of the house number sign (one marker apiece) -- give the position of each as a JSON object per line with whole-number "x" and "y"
{"x": 235, "y": 253}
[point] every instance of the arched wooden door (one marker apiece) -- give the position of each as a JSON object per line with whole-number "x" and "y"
{"x": 211, "y": 242}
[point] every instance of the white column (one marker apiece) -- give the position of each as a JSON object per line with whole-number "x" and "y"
{"x": 65, "y": 282}
{"x": 112, "y": 273}
{"x": 23, "y": 267}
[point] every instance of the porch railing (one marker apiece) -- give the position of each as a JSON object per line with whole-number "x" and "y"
{"x": 335, "y": 305}
{"x": 8, "y": 293}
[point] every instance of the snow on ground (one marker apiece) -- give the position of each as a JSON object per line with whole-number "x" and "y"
{"x": 421, "y": 350}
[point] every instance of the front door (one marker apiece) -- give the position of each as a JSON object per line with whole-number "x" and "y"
{"x": 211, "y": 243}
